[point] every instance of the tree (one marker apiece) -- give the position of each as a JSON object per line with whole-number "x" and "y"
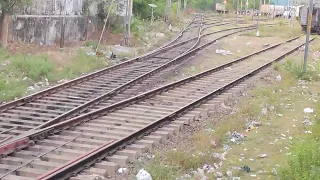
{"x": 8, "y": 7}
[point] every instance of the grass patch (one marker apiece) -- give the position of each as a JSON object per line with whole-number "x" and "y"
{"x": 304, "y": 162}
{"x": 279, "y": 30}
{"x": 293, "y": 66}
{"x": 20, "y": 71}
{"x": 82, "y": 63}
{"x": 92, "y": 44}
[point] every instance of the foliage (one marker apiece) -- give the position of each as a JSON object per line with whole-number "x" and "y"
{"x": 82, "y": 64}
{"x": 143, "y": 10}
{"x": 11, "y": 6}
{"x": 303, "y": 164}
{"x": 295, "y": 69}
{"x": 19, "y": 71}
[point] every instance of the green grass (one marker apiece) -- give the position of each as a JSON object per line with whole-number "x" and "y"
{"x": 20, "y": 71}
{"x": 304, "y": 163}
{"x": 293, "y": 66}
{"x": 82, "y": 64}
{"x": 279, "y": 30}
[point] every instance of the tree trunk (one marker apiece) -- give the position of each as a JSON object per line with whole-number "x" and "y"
{"x": 4, "y": 30}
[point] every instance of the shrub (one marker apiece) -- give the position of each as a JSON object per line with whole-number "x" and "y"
{"x": 304, "y": 162}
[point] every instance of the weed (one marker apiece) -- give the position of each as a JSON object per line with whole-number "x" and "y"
{"x": 34, "y": 67}
{"x": 279, "y": 30}
{"x": 303, "y": 164}
{"x": 91, "y": 44}
{"x": 183, "y": 160}
{"x": 203, "y": 140}
{"x": 83, "y": 64}
{"x": 160, "y": 170}
{"x": 296, "y": 70}
{"x": 11, "y": 88}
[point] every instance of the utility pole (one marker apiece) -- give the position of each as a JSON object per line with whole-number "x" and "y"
{"x": 63, "y": 25}
{"x": 258, "y": 33}
{"x": 185, "y": 6}
{"x": 274, "y": 9}
{"x": 247, "y": 4}
{"x": 233, "y": 6}
{"x": 168, "y": 6}
{"x": 253, "y": 9}
{"x": 237, "y": 11}
{"x": 127, "y": 33}
{"x": 306, "y": 49}
{"x": 179, "y": 7}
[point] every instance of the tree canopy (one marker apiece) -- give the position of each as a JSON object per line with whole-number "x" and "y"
{"x": 10, "y": 6}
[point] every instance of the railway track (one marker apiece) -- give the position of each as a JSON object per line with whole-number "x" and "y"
{"x": 137, "y": 85}
{"x": 63, "y": 102}
{"x": 65, "y": 149}
{"x": 33, "y": 110}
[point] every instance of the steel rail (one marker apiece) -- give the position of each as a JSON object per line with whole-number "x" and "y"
{"x": 76, "y": 111}
{"x": 25, "y": 140}
{"x": 37, "y": 95}
{"x": 103, "y": 153}
{"x": 76, "y": 160}
{"x": 25, "y": 127}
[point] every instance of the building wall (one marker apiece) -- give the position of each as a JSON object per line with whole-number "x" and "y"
{"x": 54, "y": 7}
{"x": 46, "y": 30}
{"x": 40, "y": 22}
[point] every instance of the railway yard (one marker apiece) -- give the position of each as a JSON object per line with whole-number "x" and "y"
{"x": 131, "y": 116}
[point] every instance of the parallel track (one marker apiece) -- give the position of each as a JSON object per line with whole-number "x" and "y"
{"x": 29, "y": 112}
{"x": 76, "y": 99}
{"x": 78, "y": 143}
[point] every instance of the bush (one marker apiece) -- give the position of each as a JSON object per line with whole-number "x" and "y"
{"x": 297, "y": 71}
{"x": 304, "y": 162}
{"x": 33, "y": 67}
{"x": 83, "y": 64}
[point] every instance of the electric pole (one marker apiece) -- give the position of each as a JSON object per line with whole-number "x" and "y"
{"x": 247, "y": 4}
{"x": 185, "y": 5}
{"x": 274, "y": 9}
{"x": 179, "y": 7}
{"x": 253, "y": 9}
{"x": 63, "y": 25}
{"x": 167, "y": 12}
{"x": 127, "y": 33}
{"x": 237, "y": 11}
{"x": 306, "y": 49}
{"x": 258, "y": 33}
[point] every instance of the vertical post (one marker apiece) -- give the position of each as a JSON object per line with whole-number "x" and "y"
{"x": 167, "y": 12}
{"x": 237, "y": 11}
{"x": 63, "y": 29}
{"x": 247, "y": 4}
{"x": 185, "y": 5}
{"x": 4, "y": 29}
{"x": 128, "y": 22}
{"x": 253, "y": 9}
{"x": 179, "y": 7}
{"x": 274, "y": 9}
{"x": 233, "y": 6}
{"x": 152, "y": 16}
{"x": 310, "y": 11}
{"x": 258, "y": 33}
